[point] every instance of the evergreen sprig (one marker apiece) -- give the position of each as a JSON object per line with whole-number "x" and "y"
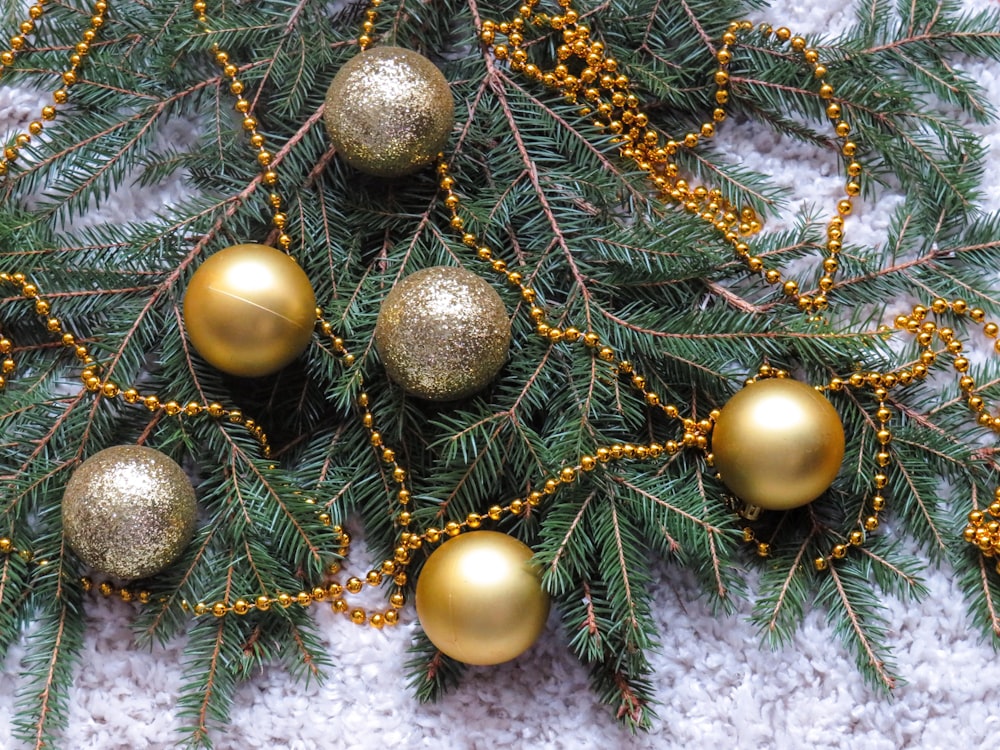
{"x": 550, "y": 193}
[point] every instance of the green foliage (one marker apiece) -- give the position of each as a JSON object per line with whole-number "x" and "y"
{"x": 549, "y": 193}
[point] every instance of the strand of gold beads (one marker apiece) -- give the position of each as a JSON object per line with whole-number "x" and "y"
{"x": 848, "y": 148}
{"x": 18, "y": 41}
{"x": 367, "y": 35}
{"x": 880, "y": 385}
{"x": 642, "y": 146}
{"x": 605, "y": 93}
{"x": 90, "y": 375}
{"x": 265, "y": 158}
{"x": 396, "y": 567}
{"x": 106, "y": 388}
{"x": 333, "y": 591}
{"x": 91, "y": 372}
{"x": 980, "y": 531}
{"x": 106, "y": 589}
{"x": 69, "y": 77}
{"x": 694, "y": 432}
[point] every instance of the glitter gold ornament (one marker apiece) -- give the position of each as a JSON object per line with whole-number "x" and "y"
{"x": 249, "y": 310}
{"x": 442, "y": 333}
{"x": 389, "y": 111}
{"x": 128, "y": 511}
{"x": 778, "y": 444}
{"x": 479, "y": 600}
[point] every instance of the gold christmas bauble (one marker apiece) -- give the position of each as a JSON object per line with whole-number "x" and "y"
{"x": 389, "y": 111}
{"x": 128, "y": 511}
{"x": 778, "y": 444}
{"x": 479, "y": 600}
{"x": 249, "y": 310}
{"x": 442, "y": 333}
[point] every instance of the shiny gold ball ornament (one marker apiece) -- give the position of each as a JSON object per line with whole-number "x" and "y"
{"x": 479, "y": 600}
{"x": 389, "y": 111}
{"x": 778, "y": 444}
{"x": 442, "y": 333}
{"x": 128, "y": 511}
{"x": 249, "y": 310}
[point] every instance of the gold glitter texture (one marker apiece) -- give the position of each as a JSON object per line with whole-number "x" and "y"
{"x": 442, "y": 333}
{"x": 128, "y": 511}
{"x": 389, "y": 111}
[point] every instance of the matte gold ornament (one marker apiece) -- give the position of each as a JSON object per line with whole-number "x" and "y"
{"x": 389, "y": 111}
{"x": 442, "y": 333}
{"x": 128, "y": 511}
{"x": 778, "y": 444}
{"x": 249, "y": 310}
{"x": 479, "y": 599}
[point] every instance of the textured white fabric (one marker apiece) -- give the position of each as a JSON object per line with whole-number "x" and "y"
{"x": 716, "y": 684}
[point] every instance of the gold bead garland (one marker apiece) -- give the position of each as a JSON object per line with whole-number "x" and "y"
{"x": 91, "y": 372}
{"x": 18, "y": 40}
{"x": 857, "y": 381}
{"x": 395, "y": 568}
{"x": 605, "y": 93}
{"x": 980, "y": 532}
{"x": 264, "y": 157}
{"x": 387, "y": 571}
{"x": 367, "y": 35}
{"x": 69, "y": 77}
{"x": 983, "y": 530}
{"x": 694, "y": 432}
{"x": 630, "y": 125}
{"x": 108, "y": 389}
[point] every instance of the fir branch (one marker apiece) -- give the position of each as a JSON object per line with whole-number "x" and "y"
{"x": 53, "y": 651}
{"x": 862, "y": 628}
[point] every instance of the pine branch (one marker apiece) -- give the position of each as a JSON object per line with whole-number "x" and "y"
{"x": 53, "y": 649}
{"x": 862, "y": 627}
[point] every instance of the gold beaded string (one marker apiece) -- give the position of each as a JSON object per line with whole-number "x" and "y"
{"x": 268, "y": 175}
{"x": 616, "y": 110}
{"x": 18, "y": 41}
{"x": 91, "y": 372}
{"x": 70, "y": 76}
{"x": 90, "y": 376}
{"x": 848, "y": 148}
{"x": 694, "y": 432}
{"x": 395, "y": 568}
{"x": 880, "y": 384}
{"x": 623, "y": 118}
{"x": 105, "y": 588}
{"x": 367, "y": 35}
{"x": 402, "y": 517}
{"x": 639, "y": 145}
{"x": 980, "y": 531}
{"x": 606, "y": 95}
